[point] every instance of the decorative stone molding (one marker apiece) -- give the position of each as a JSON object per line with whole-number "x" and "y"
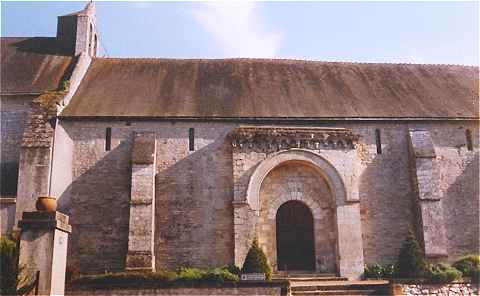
{"x": 272, "y": 139}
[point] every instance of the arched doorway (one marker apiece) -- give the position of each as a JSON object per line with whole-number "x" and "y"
{"x": 295, "y": 241}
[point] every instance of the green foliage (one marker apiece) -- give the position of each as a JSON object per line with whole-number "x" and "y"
{"x": 126, "y": 279}
{"x": 232, "y": 268}
{"x": 378, "y": 271}
{"x": 183, "y": 276}
{"x": 256, "y": 261}
{"x": 411, "y": 261}
{"x": 442, "y": 273}
{"x": 469, "y": 266}
{"x": 8, "y": 266}
{"x": 220, "y": 275}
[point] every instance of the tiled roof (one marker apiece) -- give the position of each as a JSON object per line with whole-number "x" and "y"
{"x": 30, "y": 65}
{"x": 260, "y": 88}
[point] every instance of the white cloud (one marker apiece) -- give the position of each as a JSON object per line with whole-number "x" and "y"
{"x": 237, "y": 27}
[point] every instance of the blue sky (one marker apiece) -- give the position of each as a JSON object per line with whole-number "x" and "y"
{"x": 412, "y": 32}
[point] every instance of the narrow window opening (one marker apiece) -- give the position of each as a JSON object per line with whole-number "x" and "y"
{"x": 468, "y": 134}
{"x": 378, "y": 140}
{"x": 108, "y": 139}
{"x": 191, "y": 139}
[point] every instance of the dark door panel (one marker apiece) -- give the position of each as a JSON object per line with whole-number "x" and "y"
{"x": 295, "y": 244}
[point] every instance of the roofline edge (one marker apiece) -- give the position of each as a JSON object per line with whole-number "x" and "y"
{"x": 259, "y": 119}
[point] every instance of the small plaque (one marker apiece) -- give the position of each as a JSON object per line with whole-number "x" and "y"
{"x": 253, "y": 277}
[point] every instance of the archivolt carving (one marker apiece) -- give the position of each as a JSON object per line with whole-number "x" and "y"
{"x": 324, "y": 168}
{"x": 273, "y": 139}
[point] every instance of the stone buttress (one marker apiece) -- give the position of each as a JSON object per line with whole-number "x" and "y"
{"x": 431, "y": 228}
{"x": 142, "y": 204}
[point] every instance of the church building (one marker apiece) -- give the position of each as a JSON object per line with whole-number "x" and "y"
{"x": 161, "y": 163}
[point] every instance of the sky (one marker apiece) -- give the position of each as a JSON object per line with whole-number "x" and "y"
{"x": 392, "y": 32}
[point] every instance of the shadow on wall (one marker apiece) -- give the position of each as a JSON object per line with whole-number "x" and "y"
{"x": 98, "y": 202}
{"x": 386, "y": 198}
{"x": 193, "y": 210}
{"x": 461, "y": 211}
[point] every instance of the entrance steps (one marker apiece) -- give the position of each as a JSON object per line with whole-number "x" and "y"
{"x": 303, "y": 284}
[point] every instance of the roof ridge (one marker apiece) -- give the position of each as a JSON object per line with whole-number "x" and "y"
{"x": 274, "y": 60}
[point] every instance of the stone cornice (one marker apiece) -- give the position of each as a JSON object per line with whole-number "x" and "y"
{"x": 271, "y": 139}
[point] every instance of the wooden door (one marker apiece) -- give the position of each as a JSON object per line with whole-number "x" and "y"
{"x": 295, "y": 243}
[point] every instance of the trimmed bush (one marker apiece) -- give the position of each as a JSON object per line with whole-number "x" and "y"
{"x": 8, "y": 266}
{"x": 469, "y": 266}
{"x": 442, "y": 273}
{"x": 378, "y": 271}
{"x": 411, "y": 261}
{"x": 256, "y": 261}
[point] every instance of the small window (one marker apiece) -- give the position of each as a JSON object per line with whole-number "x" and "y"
{"x": 108, "y": 139}
{"x": 378, "y": 140}
{"x": 468, "y": 135}
{"x": 191, "y": 139}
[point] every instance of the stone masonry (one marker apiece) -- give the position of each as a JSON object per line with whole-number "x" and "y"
{"x": 428, "y": 201}
{"x": 196, "y": 192}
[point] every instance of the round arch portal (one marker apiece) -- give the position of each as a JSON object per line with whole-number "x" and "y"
{"x": 349, "y": 245}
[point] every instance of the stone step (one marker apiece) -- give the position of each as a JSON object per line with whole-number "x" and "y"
{"x": 336, "y": 292}
{"x": 308, "y": 276}
{"x": 315, "y": 278}
{"x": 335, "y": 286}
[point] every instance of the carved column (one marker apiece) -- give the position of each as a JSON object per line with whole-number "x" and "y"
{"x": 431, "y": 226}
{"x": 142, "y": 204}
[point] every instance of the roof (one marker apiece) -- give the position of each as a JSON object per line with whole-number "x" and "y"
{"x": 260, "y": 88}
{"x": 31, "y": 65}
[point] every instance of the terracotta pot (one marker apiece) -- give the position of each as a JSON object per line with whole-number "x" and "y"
{"x": 46, "y": 204}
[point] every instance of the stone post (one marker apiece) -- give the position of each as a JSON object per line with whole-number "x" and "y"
{"x": 43, "y": 247}
{"x": 141, "y": 254}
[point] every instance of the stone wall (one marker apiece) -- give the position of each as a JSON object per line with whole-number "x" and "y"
{"x": 453, "y": 289}
{"x": 13, "y": 114}
{"x": 194, "y": 225}
{"x": 195, "y": 191}
{"x": 258, "y": 291}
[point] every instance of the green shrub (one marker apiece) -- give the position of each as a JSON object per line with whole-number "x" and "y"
{"x": 469, "y": 266}
{"x": 256, "y": 261}
{"x": 442, "y": 273}
{"x": 183, "y": 276}
{"x": 190, "y": 274}
{"x": 220, "y": 275}
{"x": 411, "y": 261}
{"x": 378, "y": 271}
{"x": 8, "y": 266}
{"x": 232, "y": 268}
